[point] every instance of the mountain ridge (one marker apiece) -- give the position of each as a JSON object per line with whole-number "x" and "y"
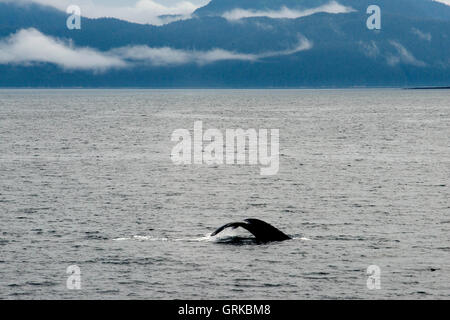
{"x": 407, "y": 51}
{"x": 411, "y": 8}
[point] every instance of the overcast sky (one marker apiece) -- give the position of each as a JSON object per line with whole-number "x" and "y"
{"x": 132, "y": 2}
{"x": 164, "y": 2}
{"x": 139, "y": 11}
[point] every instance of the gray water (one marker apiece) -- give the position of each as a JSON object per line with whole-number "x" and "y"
{"x": 86, "y": 179}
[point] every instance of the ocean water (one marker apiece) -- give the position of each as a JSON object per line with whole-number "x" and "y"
{"x": 86, "y": 179}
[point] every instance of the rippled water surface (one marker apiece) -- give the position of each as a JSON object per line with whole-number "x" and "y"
{"x": 86, "y": 179}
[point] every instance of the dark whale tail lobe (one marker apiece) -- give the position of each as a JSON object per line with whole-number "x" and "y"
{"x": 262, "y": 231}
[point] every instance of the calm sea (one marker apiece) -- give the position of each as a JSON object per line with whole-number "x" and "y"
{"x": 86, "y": 179}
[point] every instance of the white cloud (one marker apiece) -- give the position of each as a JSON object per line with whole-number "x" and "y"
{"x": 143, "y": 11}
{"x": 169, "y": 56}
{"x": 447, "y": 2}
{"x": 422, "y": 35}
{"x": 403, "y": 56}
{"x": 29, "y": 46}
{"x": 286, "y": 13}
{"x": 370, "y": 49}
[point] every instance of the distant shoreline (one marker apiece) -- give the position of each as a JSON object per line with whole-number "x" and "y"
{"x": 429, "y": 88}
{"x": 225, "y": 88}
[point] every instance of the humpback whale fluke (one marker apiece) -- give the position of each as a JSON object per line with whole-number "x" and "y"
{"x": 262, "y": 231}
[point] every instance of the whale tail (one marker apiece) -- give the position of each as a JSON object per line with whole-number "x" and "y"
{"x": 262, "y": 231}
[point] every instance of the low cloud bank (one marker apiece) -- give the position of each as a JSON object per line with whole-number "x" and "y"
{"x": 168, "y": 56}
{"x": 285, "y": 13}
{"x": 29, "y": 47}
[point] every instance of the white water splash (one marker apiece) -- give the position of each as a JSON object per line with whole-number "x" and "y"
{"x": 151, "y": 238}
{"x": 140, "y": 238}
{"x": 226, "y": 234}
